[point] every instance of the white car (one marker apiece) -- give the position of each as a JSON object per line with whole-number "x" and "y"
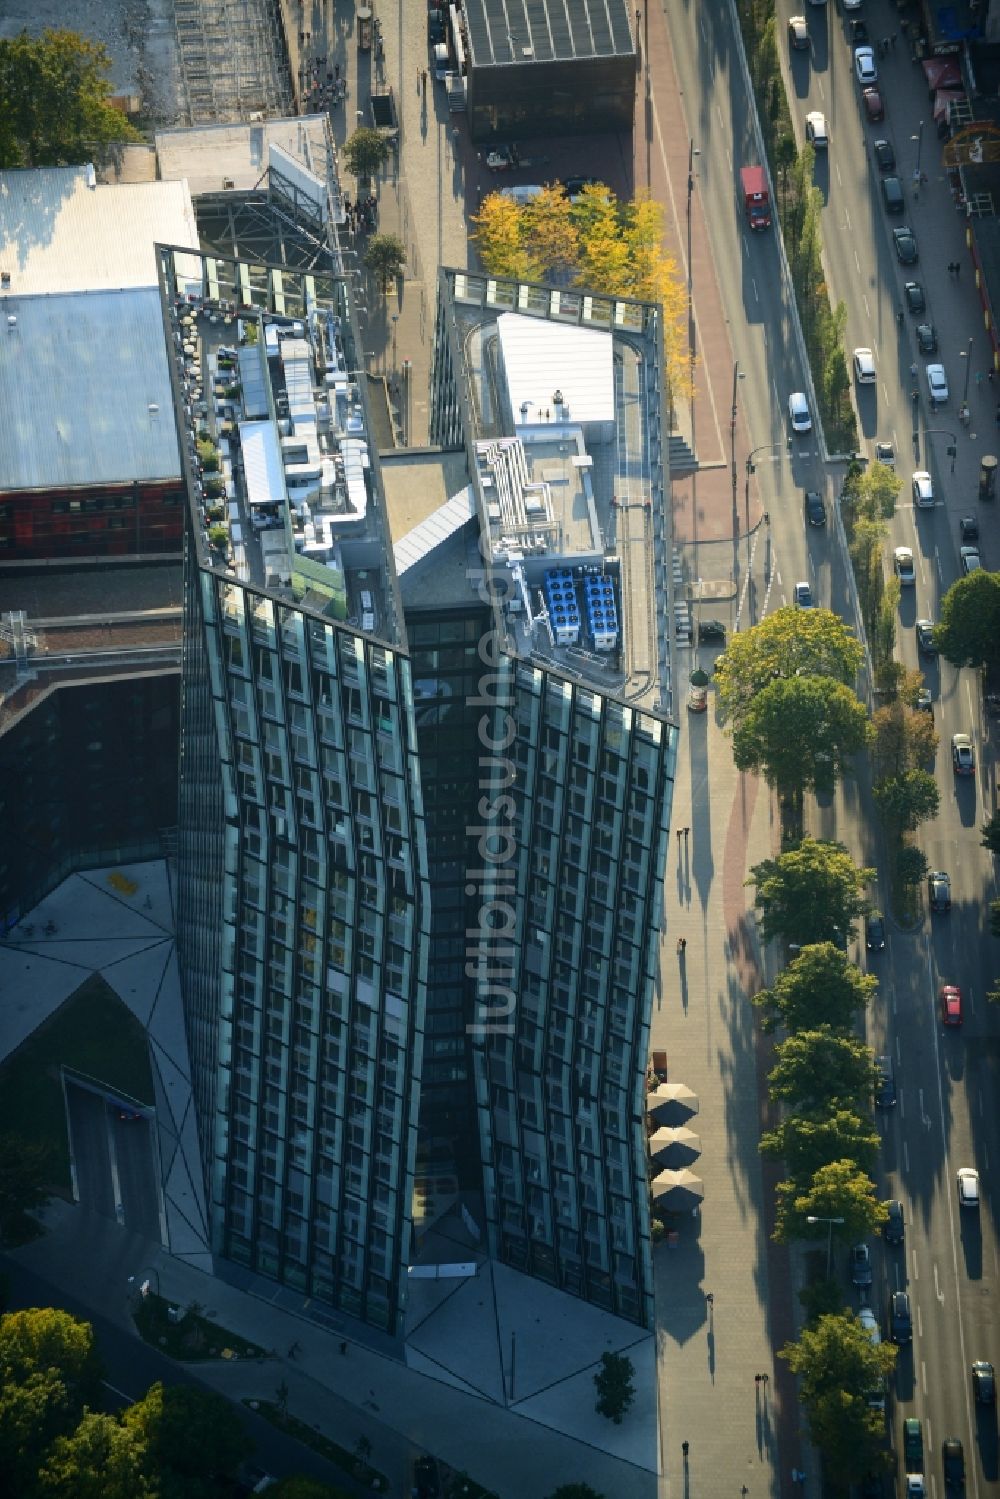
{"x": 816, "y": 131}
{"x": 923, "y": 490}
{"x": 968, "y": 1187}
{"x": 864, "y": 366}
{"x": 903, "y": 562}
{"x": 937, "y": 384}
{"x": 864, "y": 65}
{"x": 803, "y": 596}
{"x": 798, "y": 412}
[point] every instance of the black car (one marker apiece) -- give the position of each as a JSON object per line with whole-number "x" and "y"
{"x": 900, "y": 1318}
{"x": 969, "y": 528}
{"x": 939, "y": 890}
{"x": 914, "y": 294}
{"x": 925, "y": 637}
{"x": 905, "y": 242}
{"x": 711, "y": 629}
{"x": 875, "y": 932}
{"x": 927, "y": 340}
{"x": 893, "y": 1228}
{"x": 885, "y": 156}
{"x": 859, "y": 34}
{"x": 953, "y": 1463}
{"x": 435, "y": 28}
{"x": 885, "y": 1084}
{"x": 892, "y": 195}
{"x": 815, "y": 508}
{"x": 984, "y": 1384}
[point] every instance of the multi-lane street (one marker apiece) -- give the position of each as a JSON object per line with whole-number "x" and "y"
{"x": 946, "y": 1115}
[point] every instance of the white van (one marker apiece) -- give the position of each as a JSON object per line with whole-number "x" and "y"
{"x": 522, "y": 195}
{"x": 236, "y": 535}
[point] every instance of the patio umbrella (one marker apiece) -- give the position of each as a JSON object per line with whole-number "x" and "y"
{"x": 673, "y": 1147}
{"x": 671, "y": 1103}
{"x": 677, "y": 1191}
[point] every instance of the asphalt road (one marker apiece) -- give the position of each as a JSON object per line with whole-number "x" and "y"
{"x": 946, "y": 1117}
{"x": 131, "y": 1366}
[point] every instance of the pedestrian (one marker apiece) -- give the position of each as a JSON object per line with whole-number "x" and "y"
{"x": 710, "y": 1298}
{"x": 679, "y": 832}
{"x": 756, "y": 1380}
{"x": 343, "y": 1348}
{"x": 293, "y": 1350}
{"x": 958, "y": 268}
{"x": 685, "y": 1448}
{"x": 892, "y": 40}
{"x": 336, "y": 71}
{"x": 686, "y": 832}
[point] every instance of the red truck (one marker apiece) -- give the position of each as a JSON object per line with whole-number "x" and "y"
{"x": 756, "y": 198}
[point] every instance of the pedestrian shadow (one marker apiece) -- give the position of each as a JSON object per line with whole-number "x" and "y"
{"x": 684, "y": 982}
{"x": 763, "y": 1423}
{"x": 710, "y": 1342}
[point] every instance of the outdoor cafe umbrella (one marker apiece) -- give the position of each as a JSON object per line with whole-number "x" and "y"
{"x": 677, "y": 1191}
{"x": 671, "y": 1103}
{"x": 674, "y": 1147}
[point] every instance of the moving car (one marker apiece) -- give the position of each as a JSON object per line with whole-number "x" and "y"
{"x": 939, "y": 890}
{"x": 927, "y": 341}
{"x": 963, "y": 756}
{"x": 861, "y": 1265}
{"x": 864, "y": 366}
{"x": 968, "y": 1187}
{"x": 815, "y": 508}
{"x": 937, "y": 384}
{"x": 885, "y": 1083}
{"x": 864, "y": 65}
{"x": 950, "y": 998}
{"x": 798, "y": 36}
{"x": 905, "y": 242}
{"x": 871, "y": 98}
{"x": 803, "y": 596}
{"x": 914, "y": 294}
{"x": 925, "y": 637}
{"x": 900, "y": 1318}
{"x": 923, "y": 490}
{"x": 885, "y": 156}
{"x": 953, "y": 1463}
{"x": 970, "y": 559}
{"x": 893, "y": 1227}
{"x": 902, "y": 559}
{"x": 711, "y": 629}
{"x": 913, "y": 1445}
{"x": 874, "y": 932}
{"x": 816, "y": 131}
{"x": 798, "y": 412}
{"x": 968, "y": 528}
{"x": 892, "y": 195}
{"x": 984, "y": 1385}
{"x": 915, "y": 1488}
{"x": 924, "y": 701}
{"x": 885, "y": 453}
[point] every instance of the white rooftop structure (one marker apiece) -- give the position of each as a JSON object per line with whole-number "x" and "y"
{"x": 557, "y": 373}
{"x": 62, "y": 231}
{"x": 436, "y": 529}
{"x": 217, "y": 157}
{"x": 85, "y": 395}
{"x": 262, "y": 467}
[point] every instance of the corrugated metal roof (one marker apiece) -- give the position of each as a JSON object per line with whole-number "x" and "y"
{"x": 265, "y": 478}
{"x": 529, "y": 31}
{"x": 542, "y": 357}
{"x": 435, "y": 530}
{"x": 78, "y": 375}
{"x": 57, "y": 234}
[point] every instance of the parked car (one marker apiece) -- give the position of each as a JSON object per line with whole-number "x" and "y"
{"x": 816, "y": 131}
{"x": 798, "y": 412}
{"x": 925, "y": 637}
{"x": 893, "y": 1228}
{"x": 885, "y": 1083}
{"x": 871, "y": 98}
{"x": 963, "y": 757}
{"x": 913, "y": 1445}
{"x": 902, "y": 561}
{"x": 892, "y": 195}
{"x": 984, "y": 1385}
{"x": 864, "y": 366}
{"x": 905, "y": 242}
{"x": 858, "y": 33}
{"x": 711, "y": 629}
{"x": 861, "y": 1265}
{"x": 950, "y": 1000}
{"x": 864, "y": 65}
{"x": 914, "y": 294}
{"x": 815, "y": 508}
{"x": 939, "y": 890}
{"x": 900, "y": 1317}
{"x": 968, "y": 528}
{"x": 927, "y": 340}
{"x": 968, "y": 1187}
{"x": 937, "y": 384}
{"x": 874, "y": 932}
{"x": 923, "y": 490}
{"x": 970, "y": 559}
{"x": 885, "y": 156}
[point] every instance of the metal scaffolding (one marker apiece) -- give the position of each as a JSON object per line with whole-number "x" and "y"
{"x": 234, "y": 62}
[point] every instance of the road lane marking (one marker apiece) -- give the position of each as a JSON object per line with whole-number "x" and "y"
{"x": 847, "y": 218}
{"x": 916, "y": 1269}
{"x": 701, "y": 24}
{"x": 925, "y": 1118}
{"x": 937, "y": 1285}
{"x": 857, "y": 262}
{"x": 920, "y": 1325}
{"x": 906, "y": 1156}
{"x": 753, "y": 283}
{"x": 836, "y": 168}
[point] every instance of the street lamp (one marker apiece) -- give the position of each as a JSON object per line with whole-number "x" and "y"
{"x": 395, "y": 320}
{"x": 967, "y": 356}
{"x": 829, "y": 1241}
{"x": 692, "y": 153}
{"x": 952, "y": 448}
{"x": 919, "y": 138}
{"x": 767, "y": 447}
{"x": 737, "y": 377}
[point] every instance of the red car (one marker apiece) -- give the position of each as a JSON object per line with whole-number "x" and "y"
{"x": 874, "y": 108}
{"x": 951, "y": 1004}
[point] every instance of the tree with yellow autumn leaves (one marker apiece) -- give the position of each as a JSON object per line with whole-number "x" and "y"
{"x": 598, "y": 243}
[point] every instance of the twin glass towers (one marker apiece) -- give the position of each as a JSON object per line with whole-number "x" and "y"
{"x": 420, "y": 870}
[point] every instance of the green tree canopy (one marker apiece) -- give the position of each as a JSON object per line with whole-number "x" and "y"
{"x": 810, "y": 893}
{"x": 800, "y": 732}
{"x": 838, "y": 1365}
{"x": 969, "y": 630}
{"x": 907, "y": 800}
{"x": 810, "y": 642}
{"x": 838, "y": 1190}
{"x": 48, "y": 1372}
{"x": 821, "y": 987}
{"x": 807, "y": 1142}
{"x": 54, "y": 107}
{"x": 99, "y": 1460}
{"x": 911, "y": 865}
{"x": 365, "y": 153}
{"x": 193, "y": 1438}
{"x": 991, "y": 834}
{"x": 500, "y": 239}
{"x": 904, "y": 739}
{"x": 549, "y": 234}
{"x": 385, "y": 257}
{"x": 816, "y": 1068}
{"x": 615, "y": 1390}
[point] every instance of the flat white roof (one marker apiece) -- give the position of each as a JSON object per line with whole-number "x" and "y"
{"x": 78, "y": 376}
{"x": 262, "y": 463}
{"x": 208, "y": 156}
{"x": 541, "y": 357}
{"x": 435, "y": 530}
{"x": 60, "y": 234}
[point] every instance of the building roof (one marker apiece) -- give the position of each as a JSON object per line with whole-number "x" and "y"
{"x": 542, "y": 358}
{"x": 423, "y": 539}
{"x": 61, "y": 231}
{"x": 85, "y": 395}
{"x": 214, "y": 157}
{"x": 529, "y": 31}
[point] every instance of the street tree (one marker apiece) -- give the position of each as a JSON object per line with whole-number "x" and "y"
{"x": 817, "y": 1068}
{"x": 872, "y": 491}
{"x": 995, "y": 918}
{"x": 194, "y": 1439}
{"x": 811, "y": 893}
{"x": 365, "y": 153}
{"x": 48, "y": 1372}
{"x": 385, "y": 257}
{"x": 25, "y": 1171}
{"x": 603, "y": 264}
{"x": 652, "y": 276}
{"x": 838, "y": 1366}
{"x": 615, "y": 1390}
{"x": 54, "y": 89}
{"x": 100, "y": 1459}
{"x": 549, "y": 234}
{"x": 837, "y": 1191}
{"x": 991, "y": 834}
{"x": 968, "y": 633}
{"x": 907, "y": 800}
{"x": 882, "y": 638}
{"x": 865, "y": 549}
{"x": 903, "y": 739}
{"x": 500, "y": 240}
{"x": 911, "y": 865}
{"x": 821, "y": 987}
{"x": 789, "y": 642}
{"x": 800, "y": 733}
{"x": 807, "y": 1142}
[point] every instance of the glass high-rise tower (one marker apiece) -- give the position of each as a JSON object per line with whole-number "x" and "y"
{"x": 422, "y": 831}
